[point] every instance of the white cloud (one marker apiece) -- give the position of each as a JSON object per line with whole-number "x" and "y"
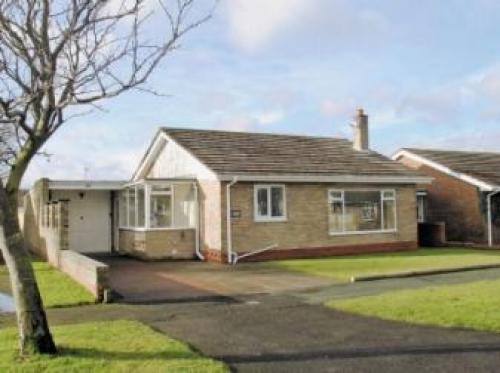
{"x": 270, "y": 117}
{"x": 254, "y": 23}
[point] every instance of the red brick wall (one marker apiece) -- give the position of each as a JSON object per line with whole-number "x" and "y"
{"x": 317, "y": 252}
{"x": 455, "y": 202}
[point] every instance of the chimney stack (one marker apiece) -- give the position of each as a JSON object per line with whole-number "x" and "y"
{"x": 360, "y": 126}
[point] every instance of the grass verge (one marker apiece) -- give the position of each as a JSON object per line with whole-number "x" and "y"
{"x": 57, "y": 289}
{"x": 473, "y": 305}
{"x": 344, "y": 267}
{"x": 117, "y": 346}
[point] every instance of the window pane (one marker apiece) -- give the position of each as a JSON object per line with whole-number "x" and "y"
{"x": 161, "y": 211}
{"x": 335, "y": 217}
{"x": 262, "y": 207}
{"x": 389, "y": 215}
{"x": 362, "y": 211}
{"x": 388, "y": 194}
{"x": 131, "y": 207}
{"x": 140, "y": 206}
{"x": 277, "y": 202}
{"x": 123, "y": 209}
{"x": 336, "y": 195}
{"x": 421, "y": 209}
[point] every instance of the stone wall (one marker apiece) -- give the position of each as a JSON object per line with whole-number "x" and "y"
{"x": 90, "y": 273}
{"x": 306, "y": 227}
{"x": 158, "y": 244}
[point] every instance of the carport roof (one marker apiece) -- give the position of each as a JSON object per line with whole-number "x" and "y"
{"x": 86, "y": 184}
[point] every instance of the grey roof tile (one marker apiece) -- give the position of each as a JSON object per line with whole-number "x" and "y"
{"x": 228, "y": 152}
{"x": 484, "y": 166}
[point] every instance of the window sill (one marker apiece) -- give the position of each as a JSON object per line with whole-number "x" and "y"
{"x": 355, "y": 233}
{"x": 271, "y": 220}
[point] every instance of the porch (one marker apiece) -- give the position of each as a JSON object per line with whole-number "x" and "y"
{"x": 158, "y": 219}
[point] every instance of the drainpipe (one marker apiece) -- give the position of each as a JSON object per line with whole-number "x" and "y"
{"x": 229, "y": 240}
{"x": 197, "y": 224}
{"x": 490, "y": 223}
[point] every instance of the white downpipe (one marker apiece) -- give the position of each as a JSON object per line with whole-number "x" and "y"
{"x": 197, "y": 224}
{"x": 490, "y": 223}
{"x": 229, "y": 237}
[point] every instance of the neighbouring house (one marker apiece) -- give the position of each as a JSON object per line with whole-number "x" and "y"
{"x": 465, "y": 192}
{"x": 227, "y": 196}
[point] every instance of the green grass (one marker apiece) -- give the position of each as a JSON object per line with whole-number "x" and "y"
{"x": 57, "y": 289}
{"x": 344, "y": 267}
{"x": 117, "y": 346}
{"x": 474, "y": 305}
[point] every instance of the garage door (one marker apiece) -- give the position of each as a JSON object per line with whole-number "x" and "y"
{"x": 89, "y": 220}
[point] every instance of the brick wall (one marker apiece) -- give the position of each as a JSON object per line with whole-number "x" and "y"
{"x": 307, "y": 222}
{"x": 455, "y": 202}
{"x": 158, "y": 244}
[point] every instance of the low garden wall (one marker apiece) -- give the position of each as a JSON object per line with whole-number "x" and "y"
{"x": 46, "y": 228}
{"x": 90, "y": 273}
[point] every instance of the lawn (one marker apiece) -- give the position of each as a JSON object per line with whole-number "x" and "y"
{"x": 117, "y": 346}
{"x": 344, "y": 267}
{"x": 57, "y": 289}
{"x": 473, "y": 305}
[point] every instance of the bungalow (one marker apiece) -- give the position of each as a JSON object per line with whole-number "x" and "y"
{"x": 227, "y": 196}
{"x": 464, "y": 193}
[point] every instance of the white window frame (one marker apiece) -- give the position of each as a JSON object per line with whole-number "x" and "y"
{"x": 148, "y": 193}
{"x": 268, "y": 218}
{"x": 382, "y": 199}
{"x": 161, "y": 193}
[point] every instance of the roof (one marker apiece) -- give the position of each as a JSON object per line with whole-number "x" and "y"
{"x": 484, "y": 167}
{"x": 86, "y": 184}
{"x": 244, "y": 153}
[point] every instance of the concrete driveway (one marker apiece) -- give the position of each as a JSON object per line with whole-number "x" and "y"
{"x": 153, "y": 282}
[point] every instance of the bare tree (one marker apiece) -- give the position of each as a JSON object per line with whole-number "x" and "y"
{"x": 58, "y": 59}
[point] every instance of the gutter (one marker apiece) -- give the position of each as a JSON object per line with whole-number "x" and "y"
{"x": 327, "y": 178}
{"x": 229, "y": 238}
{"x": 197, "y": 224}
{"x": 490, "y": 223}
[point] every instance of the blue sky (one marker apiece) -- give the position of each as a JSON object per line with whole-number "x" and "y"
{"x": 426, "y": 72}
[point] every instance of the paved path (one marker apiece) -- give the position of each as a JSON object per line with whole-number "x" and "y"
{"x": 362, "y": 288}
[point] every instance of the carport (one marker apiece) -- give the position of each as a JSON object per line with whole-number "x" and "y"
{"x": 92, "y": 215}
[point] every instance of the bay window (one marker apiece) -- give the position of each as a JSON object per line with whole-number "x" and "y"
{"x": 358, "y": 211}
{"x": 269, "y": 203}
{"x": 151, "y": 205}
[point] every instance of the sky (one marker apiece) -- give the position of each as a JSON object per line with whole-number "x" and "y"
{"x": 426, "y": 72}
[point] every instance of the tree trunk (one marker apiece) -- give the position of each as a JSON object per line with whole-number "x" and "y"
{"x": 34, "y": 333}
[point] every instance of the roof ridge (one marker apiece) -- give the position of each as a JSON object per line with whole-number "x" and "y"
{"x": 166, "y": 129}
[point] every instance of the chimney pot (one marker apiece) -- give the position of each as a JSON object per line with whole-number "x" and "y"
{"x": 360, "y": 140}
